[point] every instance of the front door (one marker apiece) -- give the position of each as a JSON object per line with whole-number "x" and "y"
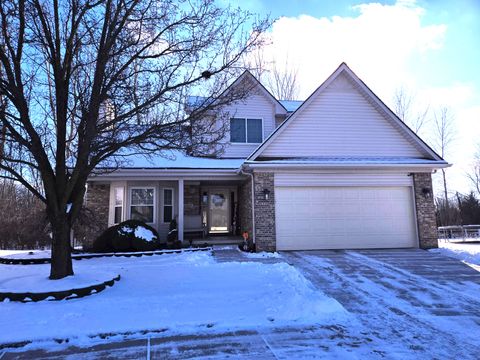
{"x": 219, "y": 206}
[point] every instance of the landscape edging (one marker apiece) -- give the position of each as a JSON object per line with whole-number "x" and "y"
{"x": 38, "y": 261}
{"x": 58, "y": 295}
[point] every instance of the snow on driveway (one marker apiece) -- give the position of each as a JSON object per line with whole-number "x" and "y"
{"x": 174, "y": 292}
{"x": 468, "y": 252}
{"x": 404, "y": 314}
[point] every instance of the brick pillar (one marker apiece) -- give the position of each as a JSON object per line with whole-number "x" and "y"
{"x": 94, "y": 217}
{"x": 264, "y": 212}
{"x": 427, "y": 223}
{"x": 245, "y": 206}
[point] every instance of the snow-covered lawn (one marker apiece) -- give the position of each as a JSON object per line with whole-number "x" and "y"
{"x": 467, "y": 252}
{"x": 174, "y": 292}
{"x": 25, "y": 254}
{"x": 29, "y": 279}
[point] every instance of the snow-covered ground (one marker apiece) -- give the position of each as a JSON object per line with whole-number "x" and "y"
{"x": 29, "y": 279}
{"x": 262, "y": 255}
{"x": 25, "y": 254}
{"x": 467, "y": 252}
{"x": 174, "y": 292}
{"x": 404, "y": 311}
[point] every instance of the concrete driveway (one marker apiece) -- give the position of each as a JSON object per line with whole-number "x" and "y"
{"x": 411, "y": 303}
{"x": 405, "y": 304}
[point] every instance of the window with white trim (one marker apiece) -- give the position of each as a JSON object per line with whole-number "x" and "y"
{"x": 142, "y": 204}
{"x": 167, "y": 205}
{"x": 118, "y": 205}
{"x": 246, "y": 130}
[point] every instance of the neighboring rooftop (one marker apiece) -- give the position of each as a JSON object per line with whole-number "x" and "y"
{"x": 291, "y": 105}
{"x": 197, "y": 101}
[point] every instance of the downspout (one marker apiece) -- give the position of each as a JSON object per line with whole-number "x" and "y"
{"x": 242, "y": 172}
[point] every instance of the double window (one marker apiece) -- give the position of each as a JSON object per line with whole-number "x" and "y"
{"x": 246, "y": 130}
{"x": 142, "y": 204}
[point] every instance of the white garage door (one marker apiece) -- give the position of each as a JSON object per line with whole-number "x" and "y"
{"x": 310, "y": 218}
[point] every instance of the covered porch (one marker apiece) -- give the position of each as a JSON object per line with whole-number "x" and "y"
{"x": 210, "y": 211}
{"x": 206, "y": 200}
{"x": 188, "y": 207}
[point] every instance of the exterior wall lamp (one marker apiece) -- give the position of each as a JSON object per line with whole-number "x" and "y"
{"x": 426, "y": 191}
{"x": 266, "y": 194}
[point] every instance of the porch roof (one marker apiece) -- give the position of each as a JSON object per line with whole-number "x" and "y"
{"x": 178, "y": 160}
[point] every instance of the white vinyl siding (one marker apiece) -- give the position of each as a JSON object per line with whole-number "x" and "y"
{"x": 345, "y": 178}
{"x": 344, "y": 217}
{"x": 340, "y": 121}
{"x": 256, "y": 106}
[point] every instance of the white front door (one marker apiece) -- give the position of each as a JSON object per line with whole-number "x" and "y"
{"x": 219, "y": 211}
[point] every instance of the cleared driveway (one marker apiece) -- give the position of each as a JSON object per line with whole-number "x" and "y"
{"x": 405, "y": 304}
{"x": 411, "y": 303}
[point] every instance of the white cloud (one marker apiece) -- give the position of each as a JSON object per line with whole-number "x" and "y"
{"x": 379, "y": 44}
{"x": 387, "y": 46}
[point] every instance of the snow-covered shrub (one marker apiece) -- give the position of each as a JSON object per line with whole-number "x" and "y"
{"x": 130, "y": 235}
{"x": 172, "y": 231}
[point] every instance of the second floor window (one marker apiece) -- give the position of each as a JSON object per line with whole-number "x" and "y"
{"x": 246, "y": 130}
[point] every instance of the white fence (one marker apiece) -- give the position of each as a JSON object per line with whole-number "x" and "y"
{"x": 459, "y": 233}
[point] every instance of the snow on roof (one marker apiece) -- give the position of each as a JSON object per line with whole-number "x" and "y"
{"x": 346, "y": 160}
{"x": 178, "y": 160}
{"x": 291, "y": 105}
{"x": 198, "y": 101}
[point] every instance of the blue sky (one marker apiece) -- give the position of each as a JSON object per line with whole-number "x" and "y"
{"x": 461, "y": 43}
{"x": 429, "y": 47}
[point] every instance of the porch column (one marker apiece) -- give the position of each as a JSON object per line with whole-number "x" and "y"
{"x": 180, "y": 209}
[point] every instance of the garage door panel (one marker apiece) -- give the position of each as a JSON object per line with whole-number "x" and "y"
{"x": 344, "y": 217}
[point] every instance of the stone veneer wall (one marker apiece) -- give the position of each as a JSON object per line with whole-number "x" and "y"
{"x": 427, "y": 224}
{"x": 264, "y": 212}
{"x": 95, "y": 218}
{"x": 245, "y": 206}
{"x": 192, "y": 200}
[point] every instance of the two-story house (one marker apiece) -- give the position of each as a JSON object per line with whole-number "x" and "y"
{"x": 339, "y": 170}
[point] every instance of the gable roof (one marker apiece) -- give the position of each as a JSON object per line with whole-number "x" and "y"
{"x": 198, "y": 101}
{"x": 365, "y": 90}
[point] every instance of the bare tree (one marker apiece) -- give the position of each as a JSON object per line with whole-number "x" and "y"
{"x": 280, "y": 80}
{"x": 88, "y": 83}
{"x": 474, "y": 174}
{"x": 403, "y": 103}
{"x": 257, "y": 63}
{"x": 444, "y": 135}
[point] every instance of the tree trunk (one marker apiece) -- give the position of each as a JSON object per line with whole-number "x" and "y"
{"x": 61, "y": 251}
